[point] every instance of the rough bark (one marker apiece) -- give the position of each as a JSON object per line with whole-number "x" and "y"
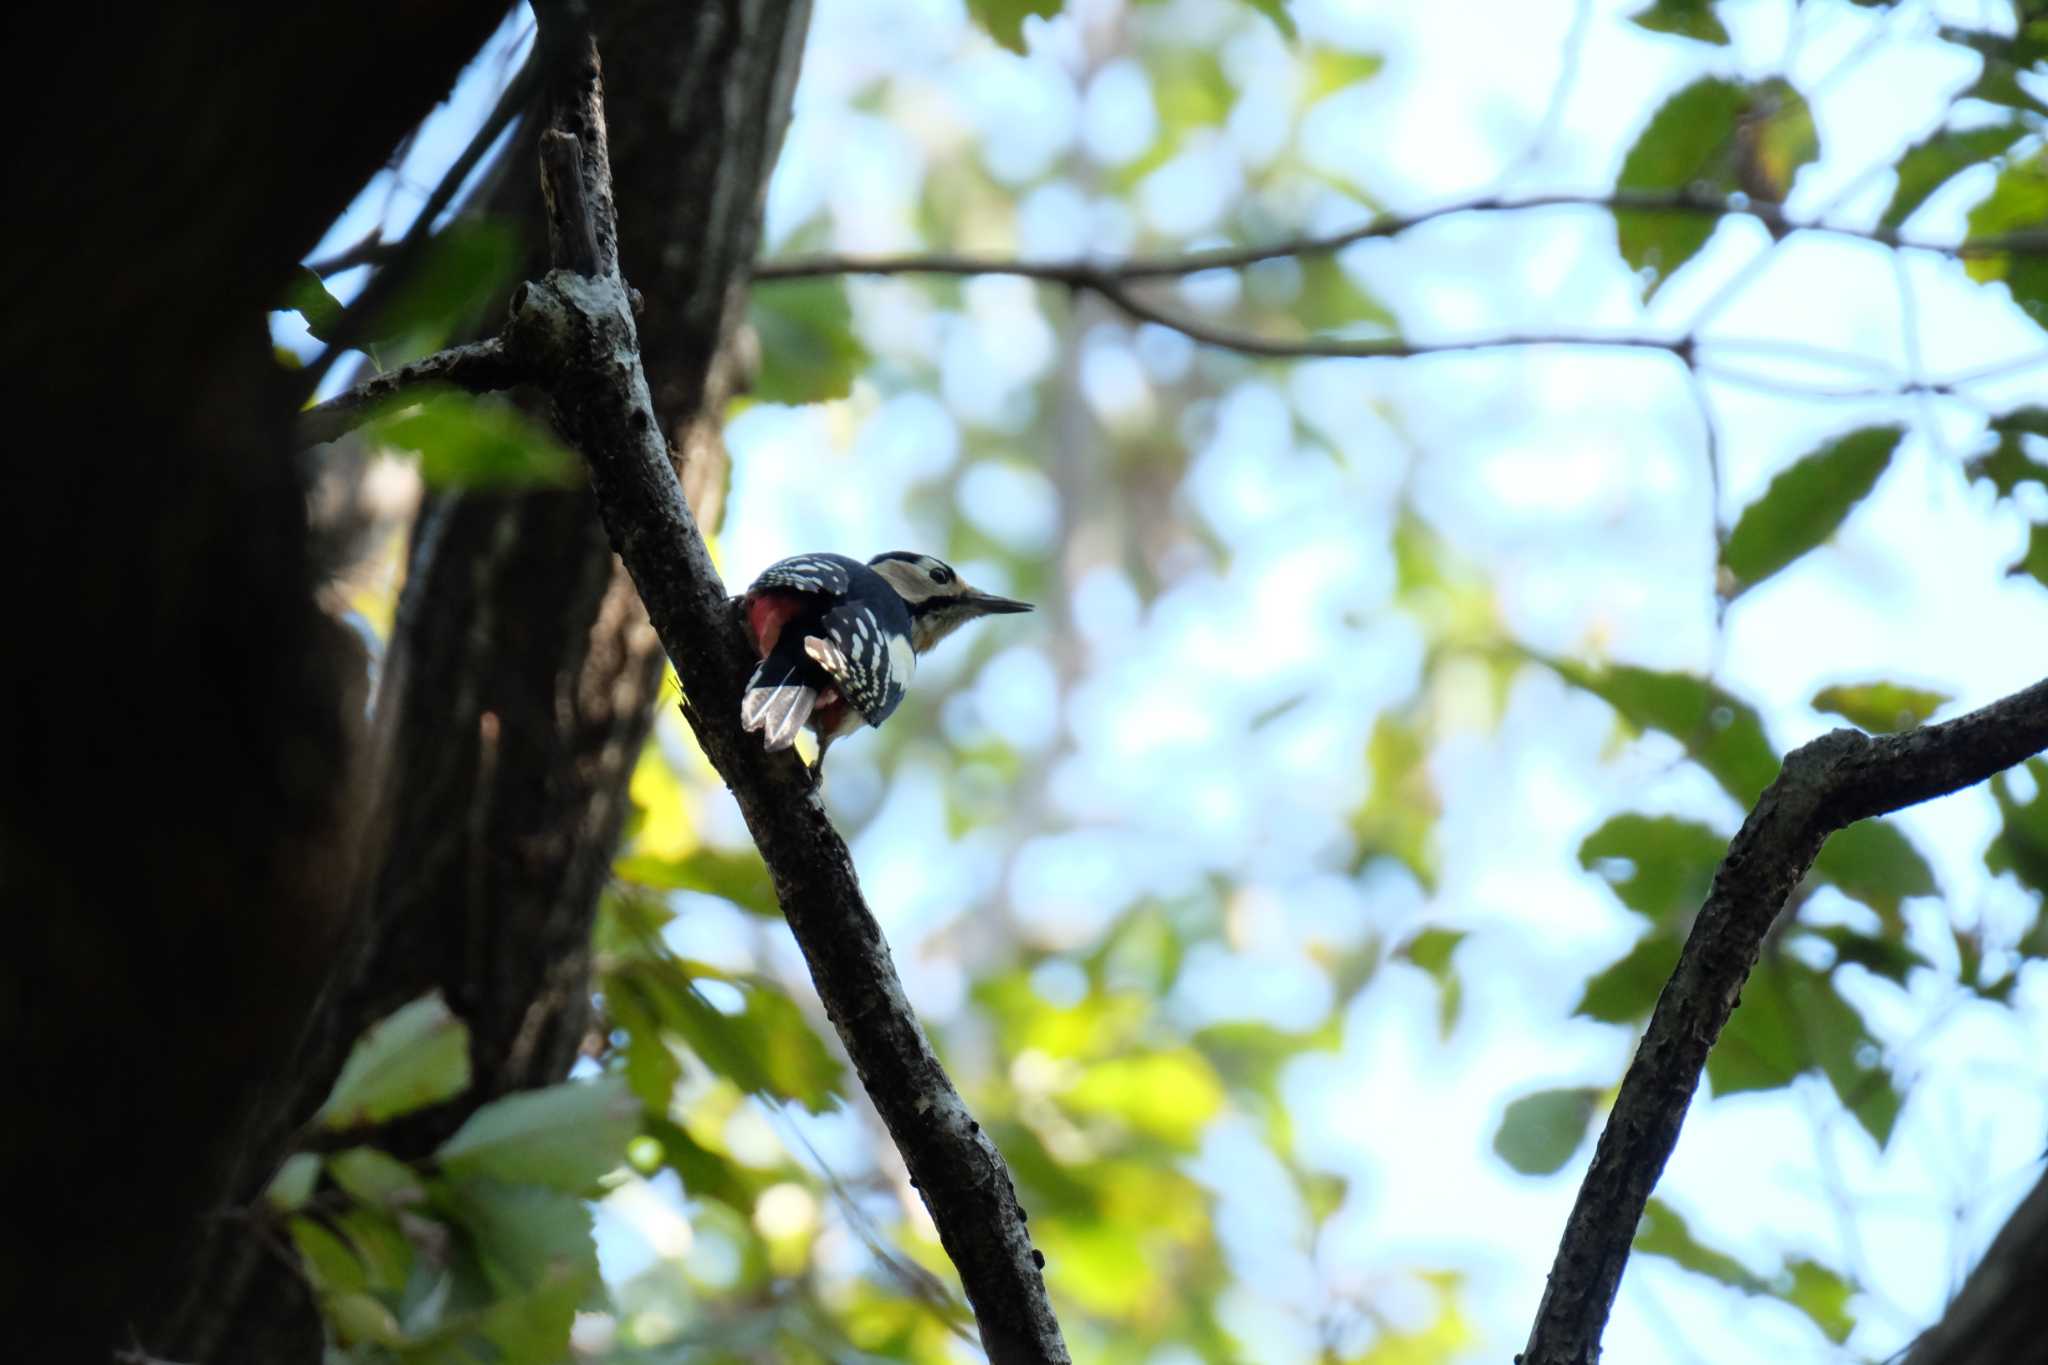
{"x": 175, "y": 729}
{"x": 522, "y": 674}
{"x": 1827, "y": 785}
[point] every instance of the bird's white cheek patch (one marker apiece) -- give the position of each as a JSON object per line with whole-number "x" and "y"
{"x": 902, "y": 660}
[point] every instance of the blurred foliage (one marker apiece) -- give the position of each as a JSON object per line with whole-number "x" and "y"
{"x": 717, "y": 1146}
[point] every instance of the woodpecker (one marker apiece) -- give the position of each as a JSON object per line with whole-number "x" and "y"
{"x": 838, "y": 639}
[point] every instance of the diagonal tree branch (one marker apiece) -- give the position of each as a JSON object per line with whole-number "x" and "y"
{"x": 1826, "y": 785}
{"x": 579, "y": 331}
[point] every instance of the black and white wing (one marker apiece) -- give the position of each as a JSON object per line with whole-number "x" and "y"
{"x": 820, "y": 573}
{"x": 868, "y": 654}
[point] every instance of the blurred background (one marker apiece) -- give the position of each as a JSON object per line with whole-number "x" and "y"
{"x": 1286, "y": 894}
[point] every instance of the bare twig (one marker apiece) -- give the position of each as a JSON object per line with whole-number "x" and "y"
{"x": 580, "y": 335}
{"x": 1083, "y": 273}
{"x": 478, "y": 367}
{"x": 1836, "y": 780}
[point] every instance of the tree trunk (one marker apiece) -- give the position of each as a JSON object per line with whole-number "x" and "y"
{"x": 521, "y": 678}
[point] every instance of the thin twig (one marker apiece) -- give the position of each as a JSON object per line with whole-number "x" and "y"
{"x": 1085, "y": 273}
{"x": 1824, "y": 786}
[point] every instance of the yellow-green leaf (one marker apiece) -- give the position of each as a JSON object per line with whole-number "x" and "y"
{"x": 1805, "y": 504}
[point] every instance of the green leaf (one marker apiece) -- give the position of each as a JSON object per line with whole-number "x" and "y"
{"x": 735, "y": 875}
{"x": 1003, "y": 20}
{"x": 1882, "y": 708}
{"x": 1169, "y": 1095}
{"x": 530, "y": 1328}
{"x": 1431, "y": 950}
{"x": 524, "y": 1235}
{"x": 1664, "y": 1232}
{"x": 2017, "y": 203}
{"x": 1713, "y": 138}
{"x": 307, "y": 296}
{"x": 1823, "y": 1295}
{"x": 1790, "y": 1018}
{"x": 469, "y": 442}
{"x": 1398, "y": 818}
{"x": 1804, "y": 504}
{"x": 767, "y": 1048}
{"x": 294, "y": 1182}
{"x": 415, "y": 1057}
{"x": 1684, "y": 18}
{"x": 2021, "y": 846}
{"x": 1276, "y": 10}
{"x": 1818, "y": 1292}
{"x": 809, "y": 353}
{"x": 1874, "y": 862}
{"x": 564, "y": 1136}
{"x": 1539, "y": 1132}
{"x": 376, "y": 1177}
{"x": 2011, "y": 460}
{"x": 1933, "y": 161}
{"x": 468, "y": 263}
{"x": 1725, "y": 736}
{"x": 1626, "y": 991}
{"x": 1669, "y": 863}
{"x": 1881, "y": 954}
{"x": 2035, "y": 560}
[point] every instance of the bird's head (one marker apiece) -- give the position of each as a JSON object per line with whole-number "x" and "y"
{"x": 939, "y": 601}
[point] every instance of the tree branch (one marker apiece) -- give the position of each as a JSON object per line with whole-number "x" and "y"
{"x": 1084, "y": 273}
{"x": 580, "y": 333}
{"x": 477, "y": 367}
{"x": 1830, "y": 783}
{"x": 1998, "y": 1315}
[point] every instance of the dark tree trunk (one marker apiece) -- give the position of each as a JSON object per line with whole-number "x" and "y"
{"x": 177, "y": 727}
{"x": 522, "y": 674}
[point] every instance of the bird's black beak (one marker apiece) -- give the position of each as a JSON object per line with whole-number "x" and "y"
{"x": 988, "y": 604}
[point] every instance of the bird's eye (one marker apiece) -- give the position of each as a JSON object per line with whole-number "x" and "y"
{"x": 941, "y": 574}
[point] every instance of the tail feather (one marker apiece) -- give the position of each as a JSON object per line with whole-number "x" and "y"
{"x": 777, "y": 709}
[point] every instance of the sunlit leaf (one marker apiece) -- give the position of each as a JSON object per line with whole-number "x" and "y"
{"x": 1170, "y": 1095}
{"x": 809, "y": 353}
{"x": 1539, "y": 1132}
{"x": 412, "y": 1058}
{"x": 1934, "y": 160}
{"x": 766, "y": 1048}
{"x": 1398, "y": 818}
{"x": 1003, "y": 20}
{"x": 1102, "y": 1265}
{"x": 1724, "y": 735}
{"x": 330, "y": 1263}
{"x": 1660, "y": 866}
{"x": 2017, "y": 203}
{"x": 1823, "y": 1295}
{"x": 1713, "y": 138}
{"x": 735, "y": 875}
{"x": 564, "y": 1136}
{"x": 468, "y": 442}
{"x": 1805, "y": 503}
{"x": 1882, "y": 708}
{"x": 1625, "y": 991}
{"x": 1685, "y": 18}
